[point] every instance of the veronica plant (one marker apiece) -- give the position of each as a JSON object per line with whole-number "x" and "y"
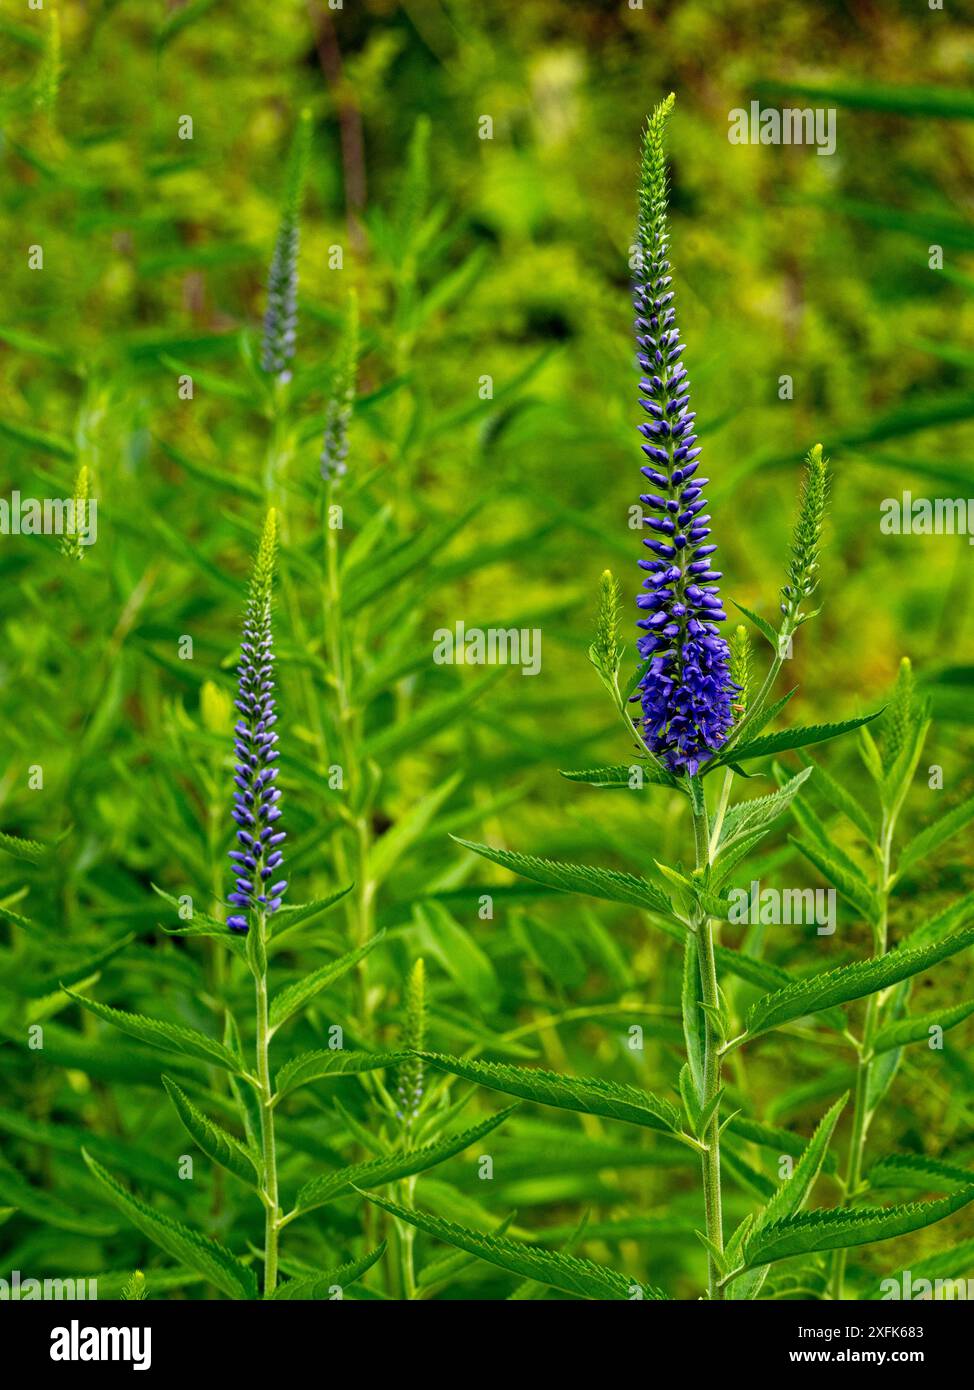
{"x": 700, "y": 724}
{"x": 409, "y": 1133}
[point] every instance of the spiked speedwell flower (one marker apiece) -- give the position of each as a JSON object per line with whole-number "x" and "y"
{"x": 686, "y": 690}
{"x": 257, "y": 859}
{"x": 281, "y": 315}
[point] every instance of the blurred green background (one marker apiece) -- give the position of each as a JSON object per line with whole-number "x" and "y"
{"x": 502, "y": 258}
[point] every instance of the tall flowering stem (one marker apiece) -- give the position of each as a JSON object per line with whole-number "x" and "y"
{"x": 355, "y": 858}
{"x": 686, "y": 690}
{"x": 257, "y": 858}
{"x": 281, "y": 315}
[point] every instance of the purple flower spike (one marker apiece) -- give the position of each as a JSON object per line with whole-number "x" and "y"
{"x": 255, "y": 795}
{"x": 686, "y": 690}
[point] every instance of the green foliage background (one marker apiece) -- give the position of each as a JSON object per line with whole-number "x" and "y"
{"x": 504, "y": 258}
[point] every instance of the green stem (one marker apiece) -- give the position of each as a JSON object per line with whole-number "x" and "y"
{"x": 355, "y": 772}
{"x": 269, "y": 1192}
{"x": 710, "y": 1158}
{"x": 861, "y": 1112}
{"x": 407, "y": 1237}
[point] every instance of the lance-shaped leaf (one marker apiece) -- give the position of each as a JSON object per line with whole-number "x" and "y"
{"x": 850, "y": 982}
{"x": 322, "y": 1285}
{"x": 577, "y": 878}
{"x": 584, "y": 1095}
{"x": 791, "y": 1196}
{"x": 836, "y": 1230}
{"x": 202, "y": 925}
{"x": 42, "y": 1205}
{"x": 789, "y": 738}
{"x": 631, "y": 776}
{"x": 841, "y": 871}
{"x": 293, "y": 915}
{"x": 915, "y": 1170}
{"x": 756, "y": 816}
{"x": 781, "y": 1141}
{"x": 326, "y": 1063}
{"x": 30, "y": 851}
{"x": 840, "y": 798}
{"x": 390, "y": 1167}
{"x": 582, "y": 1278}
{"x": 788, "y": 1200}
{"x": 188, "y": 1247}
{"x": 171, "y": 1037}
{"x": 917, "y": 1029}
{"x": 293, "y": 997}
{"x": 935, "y": 835}
{"x": 763, "y": 626}
{"x": 213, "y": 1139}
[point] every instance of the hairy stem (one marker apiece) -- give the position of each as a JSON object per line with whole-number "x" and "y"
{"x": 712, "y": 1059}
{"x": 269, "y": 1193}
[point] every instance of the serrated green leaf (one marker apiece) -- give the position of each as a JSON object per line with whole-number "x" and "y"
{"x": 581, "y": 1278}
{"x": 837, "y": 1230}
{"x": 212, "y": 1138}
{"x": 850, "y": 982}
{"x": 30, "y": 851}
{"x": 322, "y": 1285}
{"x": 842, "y": 800}
{"x": 917, "y": 1029}
{"x": 293, "y": 997}
{"x": 762, "y": 625}
{"x": 621, "y": 775}
{"x": 793, "y": 1193}
{"x": 584, "y": 1095}
{"x": 839, "y": 870}
{"x": 288, "y": 918}
{"x": 577, "y": 878}
{"x": 755, "y": 817}
{"x": 188, "y": 1247}
{"x": 915, "y": 1170}
{"x": 172, "y": 1037}
{"x": 780, "y": 1141}
{"x": 327, "y": 1063}
{"x": 390, "y": 1167}
{"x": 799, "y": 737}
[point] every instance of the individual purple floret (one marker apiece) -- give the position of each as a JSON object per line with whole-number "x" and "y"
{"x": 256, "y": 810}
{"x": 686, "y": 691}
